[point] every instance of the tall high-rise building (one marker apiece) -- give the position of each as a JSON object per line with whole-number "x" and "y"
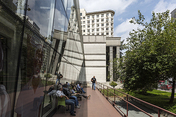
{"x": 100, "y": 47}
{"x": 97, "y": 23}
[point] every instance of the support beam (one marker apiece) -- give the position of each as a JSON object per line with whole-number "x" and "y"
{"x": 111, "y": 62}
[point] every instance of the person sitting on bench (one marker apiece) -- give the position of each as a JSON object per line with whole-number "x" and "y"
{"x": 73, "y": 91}
{"x": 68, "y": 94}
{"x": 59, "y": 93}
{"x": 79, "y": 88}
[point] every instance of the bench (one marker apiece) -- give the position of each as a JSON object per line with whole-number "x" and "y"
{"x": 61, "y": 104}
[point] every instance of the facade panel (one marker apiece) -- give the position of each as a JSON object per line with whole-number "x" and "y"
{"x": 94, "y": 57}
{"x": 98, "y": 72}
{"x": 95, "y": 63}
{"x": 95, "y": 48}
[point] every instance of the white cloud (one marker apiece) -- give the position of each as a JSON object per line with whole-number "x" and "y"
{"x": 145, "y": 1}
{"x": 164, "y": 5}
{"x": 124, "y": 29}
{"x": 120, "y": 19}
{"x": 118, "y": 6}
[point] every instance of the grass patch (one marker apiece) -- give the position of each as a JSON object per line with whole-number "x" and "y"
{"x": 156, "y": 97}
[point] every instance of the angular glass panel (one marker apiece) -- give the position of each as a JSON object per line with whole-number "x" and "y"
{"x": 17, "y": 6}
{"x": 41, "y": 15}
{"x": 33, "y": 80}
{"x": 60, "y": 18}
{"x": 30, "y": 84}
{"x": 11, "y": 26}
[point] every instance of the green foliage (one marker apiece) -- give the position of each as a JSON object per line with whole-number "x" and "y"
{"x": 113, "y": 84}
{"x": 151, "y": 53}
{"x": 48, "y": 75}
{"x": 156, "y": 97}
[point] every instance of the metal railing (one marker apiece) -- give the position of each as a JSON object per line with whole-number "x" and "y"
{"x": 102, "y": 88}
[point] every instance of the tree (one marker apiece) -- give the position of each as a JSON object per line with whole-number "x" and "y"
{"x": 151, "y": 53}
{"x": 118, "y": 64}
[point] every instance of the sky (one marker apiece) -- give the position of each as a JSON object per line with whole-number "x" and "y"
{"x": 126, "y": 9}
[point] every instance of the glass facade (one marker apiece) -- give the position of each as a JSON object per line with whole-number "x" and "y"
{"x": 37, "y": 37}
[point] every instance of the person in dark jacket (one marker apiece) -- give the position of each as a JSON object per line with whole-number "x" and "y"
{"x": 68, "y": 94}
{"x": 59, "y": 76}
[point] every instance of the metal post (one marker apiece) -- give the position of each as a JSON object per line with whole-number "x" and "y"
{"x": 107, "y": 92}
{"x": 97, "y": 86}
{"x": 158, "y": 113}
{"x": 103, "y": 89}
{"x": 127, "y": 105}
{"x": 114, "y": 96}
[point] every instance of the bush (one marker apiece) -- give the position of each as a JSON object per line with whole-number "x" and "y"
{"x": 113, "y": 84}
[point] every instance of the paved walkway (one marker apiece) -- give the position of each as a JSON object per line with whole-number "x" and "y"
{"x": 96, "y": 106}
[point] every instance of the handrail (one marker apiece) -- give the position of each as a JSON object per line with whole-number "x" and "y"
{"x": 159, "y": 108}
{"x": 114, "y": 103}
{"x": 132, "y": 105}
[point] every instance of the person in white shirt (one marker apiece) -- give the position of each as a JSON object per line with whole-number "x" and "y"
{"x": 59, "y": 93}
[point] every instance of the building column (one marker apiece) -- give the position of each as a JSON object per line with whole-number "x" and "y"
{"x": 111, "y": 62}
{"x": 117, "y": 52}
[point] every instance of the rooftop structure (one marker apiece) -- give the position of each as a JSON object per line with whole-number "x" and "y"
{"x": 97, "y": 23}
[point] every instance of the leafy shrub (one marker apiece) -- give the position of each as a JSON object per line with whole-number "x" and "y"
{"x": 113, "y": 84}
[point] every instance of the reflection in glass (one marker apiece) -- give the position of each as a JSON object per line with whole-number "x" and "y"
{"x": 31, "y": 95}
{"x": 50, "y": 43}
{"x": 42, "y": 13}
{"x": 60, "y": 18}
{"x": 1, "y": 57}
{"x": 5, "y": 106}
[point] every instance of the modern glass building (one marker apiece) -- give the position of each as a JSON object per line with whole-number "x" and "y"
{"x": 37, "y": 37}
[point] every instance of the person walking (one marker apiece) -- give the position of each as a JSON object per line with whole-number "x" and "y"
{"x": 93, "y": 80}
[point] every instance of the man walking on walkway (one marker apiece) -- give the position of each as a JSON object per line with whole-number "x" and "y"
{"x": 93, "y": 80}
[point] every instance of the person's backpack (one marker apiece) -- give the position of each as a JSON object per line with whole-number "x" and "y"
{"x": 61, "y": 76}
{"x": 66, "y": 92}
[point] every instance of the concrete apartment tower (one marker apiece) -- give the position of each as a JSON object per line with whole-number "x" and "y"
{"x": 100, "y": 47}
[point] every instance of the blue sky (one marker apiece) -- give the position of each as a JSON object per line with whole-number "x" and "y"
{"x": 126, "y": 9}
